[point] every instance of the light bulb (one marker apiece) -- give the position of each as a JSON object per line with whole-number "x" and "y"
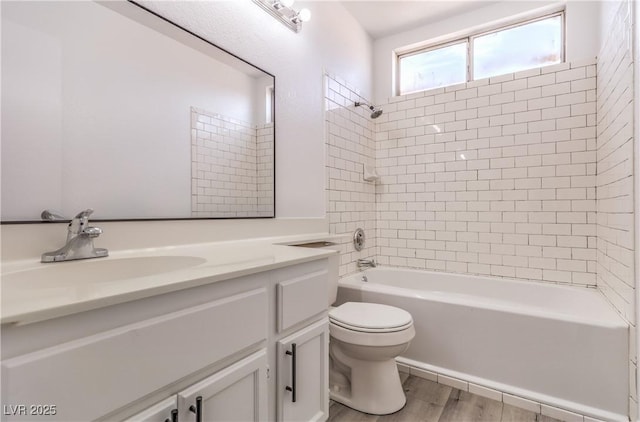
{"x": 304, "y": 15}
{"x": 287, "y": 3}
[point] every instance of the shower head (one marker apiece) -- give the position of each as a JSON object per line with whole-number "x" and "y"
{"x": 375, "y": 111}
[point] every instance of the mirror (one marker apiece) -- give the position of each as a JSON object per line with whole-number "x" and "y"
{"x": 111, "y": 107}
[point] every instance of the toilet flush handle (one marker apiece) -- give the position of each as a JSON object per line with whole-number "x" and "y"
{"x": 292, "y": 353}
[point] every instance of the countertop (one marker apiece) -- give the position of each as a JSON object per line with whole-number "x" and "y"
{"x": 33, "y": 291}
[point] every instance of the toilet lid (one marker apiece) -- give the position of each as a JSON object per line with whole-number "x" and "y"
{"x": 370, "y": 316}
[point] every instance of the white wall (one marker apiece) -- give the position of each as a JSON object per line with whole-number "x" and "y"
{"x": 332, "y": 40}
{"x": 581, "y": 24}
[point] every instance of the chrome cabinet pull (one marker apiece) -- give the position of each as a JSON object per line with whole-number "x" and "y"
{"x": 292, "y": 353}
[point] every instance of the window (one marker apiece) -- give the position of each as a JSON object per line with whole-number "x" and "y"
{"x": 432, "y": 68}
{"x": 270, "y": 101}
{"x": 526, "y": 45}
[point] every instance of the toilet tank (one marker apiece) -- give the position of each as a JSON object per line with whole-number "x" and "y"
{"x": 334, "y": 262}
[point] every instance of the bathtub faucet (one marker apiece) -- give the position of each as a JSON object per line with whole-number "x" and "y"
{"x": 366, "y": 263}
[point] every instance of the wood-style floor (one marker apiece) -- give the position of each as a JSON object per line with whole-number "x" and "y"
{"x": 428, "y": 401}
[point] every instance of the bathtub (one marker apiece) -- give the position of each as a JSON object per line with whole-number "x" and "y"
{"x": 558, "y": 345}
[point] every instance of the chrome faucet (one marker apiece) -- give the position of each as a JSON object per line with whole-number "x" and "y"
{"x": 79, "y": 241}
{"x": 366, "y": 263}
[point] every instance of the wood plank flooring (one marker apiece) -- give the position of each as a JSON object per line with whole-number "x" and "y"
{"x": 428, "y": 401}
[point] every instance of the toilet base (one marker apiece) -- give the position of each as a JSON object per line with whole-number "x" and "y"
{"x": 339, "y": 398}
{"x": 374, "y": 388}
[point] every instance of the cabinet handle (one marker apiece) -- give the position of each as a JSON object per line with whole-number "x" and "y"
{"x": 174, "y": 416}
{"x": 197, "y": 409}
{"x": 292, "y": 353}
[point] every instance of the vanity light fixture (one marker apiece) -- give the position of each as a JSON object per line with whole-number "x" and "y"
{"x": 282, "y": 10}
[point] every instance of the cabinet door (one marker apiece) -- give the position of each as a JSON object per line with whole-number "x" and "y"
{"x": 159, "y": 412}
{"x": 303, "y": 377}
{"x": 236, "y": 393}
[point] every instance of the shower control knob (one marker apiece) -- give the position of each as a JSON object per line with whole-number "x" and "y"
{"x": 358, "y": 239}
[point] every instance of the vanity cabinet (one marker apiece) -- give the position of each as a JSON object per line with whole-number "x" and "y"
{"x": 105, "y": 370}
{"x": 224, "y": 342}
{"x": 236, "y": 393}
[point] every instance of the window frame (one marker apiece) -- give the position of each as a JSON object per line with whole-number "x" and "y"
{"x": 426, "y": 50}
{"x": 469, "y": 39}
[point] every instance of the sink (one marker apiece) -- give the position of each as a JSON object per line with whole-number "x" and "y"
{"x": 87, "y": 272}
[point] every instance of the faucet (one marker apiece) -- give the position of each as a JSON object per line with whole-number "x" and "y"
{"x": 366, "y": 263}
{"x": 79, "y": 241}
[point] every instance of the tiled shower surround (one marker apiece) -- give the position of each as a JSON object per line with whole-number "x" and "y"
{"x": 615, "y": 165}
{"x": 232, "y": 167}
{"x": 350, "y": 146}
{"x": 493, "y": 177}
{"x": 527, "y": 175}
{"x": 615, "y": 153}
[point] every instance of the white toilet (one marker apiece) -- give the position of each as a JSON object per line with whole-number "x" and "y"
{"x": 365, "y": 340}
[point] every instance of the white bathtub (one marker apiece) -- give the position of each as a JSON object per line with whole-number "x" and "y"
{"x": 559, "y": 345}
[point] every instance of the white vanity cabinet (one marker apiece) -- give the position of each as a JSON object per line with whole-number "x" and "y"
{"x": 217, "y": 344}
{"x": 236, "y": 393}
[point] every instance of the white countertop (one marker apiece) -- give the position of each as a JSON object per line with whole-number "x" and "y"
{"x": 32, "y": 291}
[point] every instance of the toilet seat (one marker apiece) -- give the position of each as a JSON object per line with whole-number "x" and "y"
{"x": 379, "y": 339}
{"x": 370, "y": 317}
{"x": 370, "y": 324}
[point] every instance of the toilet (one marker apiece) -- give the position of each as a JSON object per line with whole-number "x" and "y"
{"x": 365, "y": 339}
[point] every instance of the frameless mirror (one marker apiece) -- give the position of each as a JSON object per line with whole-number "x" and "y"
{"x": 111, "y": 107}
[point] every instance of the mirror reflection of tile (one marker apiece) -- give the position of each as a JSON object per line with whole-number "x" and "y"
{"x": 231, "y": 166}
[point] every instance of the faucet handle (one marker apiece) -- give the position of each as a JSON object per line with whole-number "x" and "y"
{"x": 48, "y": 215}
{"x": 78, "y": 223}
{"x": 84, "y": 214}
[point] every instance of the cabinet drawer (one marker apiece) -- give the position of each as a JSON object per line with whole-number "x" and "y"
{"x": 302, "y": 297}
{"x": 92, "y": 376}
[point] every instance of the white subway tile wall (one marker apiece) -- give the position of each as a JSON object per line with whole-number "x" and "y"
{"x": 615, "y": 166}
{"x": 232, "y": 167}
{"x": 493, "y": 177}
{"x": 350, "y": 146}
{"x": 615, "y": 231}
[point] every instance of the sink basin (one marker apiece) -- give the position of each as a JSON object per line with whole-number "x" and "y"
{"x": 86, "y": 272}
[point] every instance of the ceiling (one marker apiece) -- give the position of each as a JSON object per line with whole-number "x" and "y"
{"x": 387, "y": 17}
